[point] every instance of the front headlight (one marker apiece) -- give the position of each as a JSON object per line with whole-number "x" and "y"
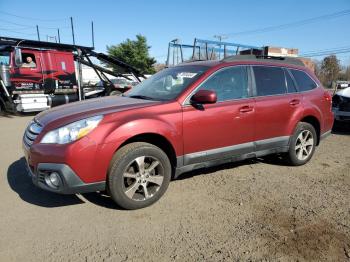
{"x": 71, "y": 132}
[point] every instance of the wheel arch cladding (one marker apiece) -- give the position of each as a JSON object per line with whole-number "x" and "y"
{"x": 314, "y": 121}
{"x": 157, "y": 140}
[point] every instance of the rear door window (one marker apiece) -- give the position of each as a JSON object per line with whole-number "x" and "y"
{"x": 304, "y": 81}
{"x": 269, "y": 80}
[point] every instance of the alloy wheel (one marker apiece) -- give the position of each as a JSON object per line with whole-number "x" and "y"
{"x": 304, "y": 145}
{"x": 142, "y": 178}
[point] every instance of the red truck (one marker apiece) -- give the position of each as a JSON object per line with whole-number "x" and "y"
{"x": 186, "y": 117}
{"x": 36, "y": 75}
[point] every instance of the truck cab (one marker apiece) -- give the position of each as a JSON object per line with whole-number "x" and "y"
{"x": 37, "y": 79}
{"x": 37, "y": 75}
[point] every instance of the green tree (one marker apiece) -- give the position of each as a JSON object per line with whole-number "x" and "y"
{"x": 135, "y": 53}
{"x": 330, "y": 69}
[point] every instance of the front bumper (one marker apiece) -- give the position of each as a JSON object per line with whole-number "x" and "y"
{"x": 341, "y": 115}
{"x": 70, "y": 183}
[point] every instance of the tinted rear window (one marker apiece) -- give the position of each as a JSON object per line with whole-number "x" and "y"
{"x": 269, "y": 80}
{"x": 303, "y": 80}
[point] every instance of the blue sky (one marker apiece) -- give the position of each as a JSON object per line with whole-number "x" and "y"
{"x": 162, "y": 21}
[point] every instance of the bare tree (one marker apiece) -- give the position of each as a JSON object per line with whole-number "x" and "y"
{"x": 330, "y": 69}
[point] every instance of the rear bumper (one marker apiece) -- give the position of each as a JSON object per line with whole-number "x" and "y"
{"x": 70, "y": 183}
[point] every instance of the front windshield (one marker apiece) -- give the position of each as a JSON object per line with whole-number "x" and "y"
{"x": 168, "y": 83}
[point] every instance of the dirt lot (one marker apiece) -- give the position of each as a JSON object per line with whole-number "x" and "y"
{"x": 259, "y": 210}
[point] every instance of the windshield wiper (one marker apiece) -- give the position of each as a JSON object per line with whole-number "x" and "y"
{"x": 141, "y": 97}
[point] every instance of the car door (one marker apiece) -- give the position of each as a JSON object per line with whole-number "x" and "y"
{"x": 223, "y": 129}
{"x": 276, "y": 104}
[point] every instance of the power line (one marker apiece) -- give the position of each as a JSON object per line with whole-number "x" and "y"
{"x": 293, "y": 24}
{"x": 27, "y": 26}
{"x": 328, "y": 49}
{"x": 9, "y": 22}
{"x": 331, "y": 52}
{"x": 17, "y": 28}
{"x": 325, "y": 54}
{"x": 16, "y": 32}
{"x": 11, "y": 29}
{"x": 33, "y": 18}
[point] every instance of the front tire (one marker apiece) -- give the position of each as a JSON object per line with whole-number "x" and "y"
{"x": 302, "y": 145}
{"x": 139, "y": 175}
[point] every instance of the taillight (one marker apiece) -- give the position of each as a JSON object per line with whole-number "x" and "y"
{"x": 327, "y": 96}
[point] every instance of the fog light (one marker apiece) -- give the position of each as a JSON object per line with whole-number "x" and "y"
{"x": 53, "y": 180}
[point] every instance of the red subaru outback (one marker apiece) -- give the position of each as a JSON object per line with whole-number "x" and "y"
{"x": 186, "y": 117}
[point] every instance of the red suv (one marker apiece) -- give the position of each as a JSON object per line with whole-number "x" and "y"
{"x": 183, "y": 118}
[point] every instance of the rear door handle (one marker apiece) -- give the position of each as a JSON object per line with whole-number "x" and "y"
{"x": 294, "y": 102}
{"x": 246, "y": 109}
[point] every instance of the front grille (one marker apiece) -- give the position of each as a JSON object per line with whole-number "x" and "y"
{"x": 345, "y": 106}
{"x": 344, "y": 118}
{"x": 31, "y": 133}
{"x": 342, "y": 103}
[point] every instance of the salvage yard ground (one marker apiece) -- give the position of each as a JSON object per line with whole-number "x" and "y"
{"x": 252, "y": 210}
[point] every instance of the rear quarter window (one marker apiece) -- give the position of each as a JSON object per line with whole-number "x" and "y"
{"x": 303, "y": 80}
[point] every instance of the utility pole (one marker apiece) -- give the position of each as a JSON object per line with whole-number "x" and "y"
{"x": 220, "y": 37}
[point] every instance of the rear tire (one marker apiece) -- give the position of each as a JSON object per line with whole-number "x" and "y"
{"x": 302, "y": 144}
{"x": 2, "y": 108}
{"x": 139, "y": 175}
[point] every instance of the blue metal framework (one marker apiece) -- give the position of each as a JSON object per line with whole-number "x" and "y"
{"x": 206, "y": 50}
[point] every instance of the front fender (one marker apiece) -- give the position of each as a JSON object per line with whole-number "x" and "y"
{"x": 171, "y": 131}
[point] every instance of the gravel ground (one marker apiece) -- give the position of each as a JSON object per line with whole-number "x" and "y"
{"x": 257, "y": 210}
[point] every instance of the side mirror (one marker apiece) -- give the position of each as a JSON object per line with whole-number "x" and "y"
{"x": 18, "y": 57}
{"x": 204, "y": 97}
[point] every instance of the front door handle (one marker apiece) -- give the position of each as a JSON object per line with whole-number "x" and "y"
{"x": 294, "y": 102}
{"x": 246, "y": 109}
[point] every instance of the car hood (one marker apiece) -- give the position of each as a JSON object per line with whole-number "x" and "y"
{"x": 69, "y": 113}
{"x": 344, "y": 92}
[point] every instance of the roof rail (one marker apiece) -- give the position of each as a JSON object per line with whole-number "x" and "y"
{"x": 275, "y": 59}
